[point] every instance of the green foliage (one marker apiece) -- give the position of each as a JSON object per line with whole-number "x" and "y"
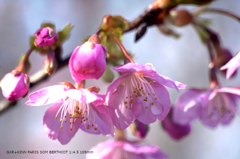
{"x": 108, "y": 75}
{"x": 64, "y": 34}
{"x": 48, "y": 24}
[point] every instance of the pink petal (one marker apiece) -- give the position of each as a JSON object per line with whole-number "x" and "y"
{"x": 135, "y": 68}
{"x": 103, "y": 150}
{"x": 190, "y": 99}
{"x": 52, "y": 125}
{"x": 122, "y": 117}
{"x": 220, "y": 109}
{"x": 145, "y": 115}
{"x": 166, "y": 81}
{"x": 114, "y": 85}
{"x": 145, "y": 150}
{"x": 232, "y": 65}
{"x": 74, "y": 73}
{"x": 160, "y": 108}
{"x": 47, "y": 95}
{"x": 231, "y": 90}
{"x": 84, "y": 96}
{"x": 102, "y": 121}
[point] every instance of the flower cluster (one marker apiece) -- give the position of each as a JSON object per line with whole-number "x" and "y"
{"x": 139, "y": 93}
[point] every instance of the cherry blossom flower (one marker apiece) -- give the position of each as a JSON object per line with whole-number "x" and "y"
{"x": 14, "y": 85}
{"x": 87, "y": 61}
{"x": 211, "y": 106}
{"x": 75, "y": 108}
{"x": 112, "y": 149}
{"x": 176, "y": 131}
{"x": 45, "y": 37}
{"x": 232, "y": 65}
{"x": 139, "y": 94}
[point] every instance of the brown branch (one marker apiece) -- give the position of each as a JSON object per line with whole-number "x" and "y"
{"x": 38, "y": 77}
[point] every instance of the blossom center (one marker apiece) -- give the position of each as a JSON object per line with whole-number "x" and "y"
{"x": 73, "y": 110}
{"x": 138, "y": 86}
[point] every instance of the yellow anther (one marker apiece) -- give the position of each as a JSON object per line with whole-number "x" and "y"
{"x": 60, "y": 119}
{"x": 131, "y": 101}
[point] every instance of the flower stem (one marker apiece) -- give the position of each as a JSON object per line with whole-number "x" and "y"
{"x": 119, "y": 134}
{"x": 22, "y": 66}
{"x": 122, "y": 48}
{"x": 215, "y": 10}
{"x": 213, "y": 77}
{"x": 28, "y": 54}
{"x": 82, "y": 85}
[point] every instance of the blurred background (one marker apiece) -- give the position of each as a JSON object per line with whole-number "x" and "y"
{"x": 185, "y": 60}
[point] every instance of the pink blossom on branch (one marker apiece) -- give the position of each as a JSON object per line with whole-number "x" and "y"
{"x": 87, "y": 61}
{"x": 211, "y": 106}
{"x": 45, "y": 37}
{"x": 73, "y": 109}
{"x": 125, "y": 150}
{"x": 15, "y": 85}
{"x": 232, "y": 65}
{"x": 139, "y": 94}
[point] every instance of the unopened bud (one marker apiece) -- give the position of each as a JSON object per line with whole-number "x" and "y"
{"x": 174, "y": 130}
{"x": 50, "y": 63}
{"x": 45, "y": 37}
{"x": 15, "y": 85}
{"x": 181, "y": 17}
{"x": 87, "y": 61}
{"x": 139, "y": 129}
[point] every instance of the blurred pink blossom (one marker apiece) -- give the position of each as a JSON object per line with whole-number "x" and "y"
{"x": 211, "y": 106}
{"x": 112, "y": 149}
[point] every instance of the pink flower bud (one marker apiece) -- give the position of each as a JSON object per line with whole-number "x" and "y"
{"x": 87, "y": 61}
{"x": 45, "y": 37}
{"x": 175, "y": 130}
{"x": 139, "y": 129}
{"x": 15, "y": 85}
{"x": 50, "y": 63}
